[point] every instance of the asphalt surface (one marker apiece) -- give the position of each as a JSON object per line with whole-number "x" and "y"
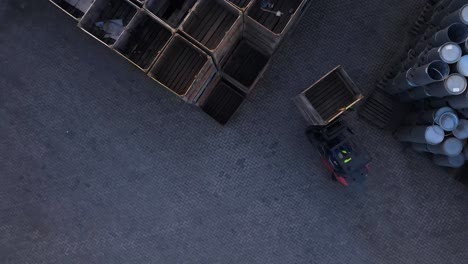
{"x": 100, "y": 165}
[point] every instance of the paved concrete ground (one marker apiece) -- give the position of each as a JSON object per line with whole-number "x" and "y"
{"x": 99, "y": 165}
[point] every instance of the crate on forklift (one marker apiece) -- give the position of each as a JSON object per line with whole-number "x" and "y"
{"x": 328, "y": 98}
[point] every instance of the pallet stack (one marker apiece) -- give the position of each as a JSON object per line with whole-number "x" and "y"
{"x": 210, "y": 53}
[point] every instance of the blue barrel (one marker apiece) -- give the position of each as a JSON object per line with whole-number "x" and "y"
{"x": 450, "y": 147}
{"x": 461, "y": 132}
{"x": 459, "y": 16}
{"x": 432, "y": 135}
{"x": 445, "y": 117}
{"x": 447, "y": 161}
{"x": 455, "y": 84}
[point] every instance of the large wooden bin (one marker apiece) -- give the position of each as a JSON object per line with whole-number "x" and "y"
{"x": 242, "y": 5}
{"x": 269, "y": 28}
{"x": 184, "y": 69}
{"x": 74, "y": 8}
{"x": 245, "y": 65}
{"x": 328, "y": 98}
{"x": 170, "y": 11}
{"x": 143, "y": 40}
{"x": 215, "y": 26}
{"x": 107, "y": 10}
{"x": 221, "y": 99}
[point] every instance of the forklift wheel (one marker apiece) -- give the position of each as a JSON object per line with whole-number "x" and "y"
{"x": 333, "y": 177}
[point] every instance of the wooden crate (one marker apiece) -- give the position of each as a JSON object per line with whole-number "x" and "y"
{"x": 74, "y": 8}
{"x": 221, "y": 99}
{"x": 242, "y": 5}
{"x": 139, "y": 3}
{"x": 184, "y": 69}
{"x": 143, "y": 40}
{"x": 245, "y": 65}
{"x": 105, "y": 10}
{"x": 215, "y": 26}
{"x": 328, "y": 98}
{"x": 170, "y": 11}
{"x": 268, "y": 28}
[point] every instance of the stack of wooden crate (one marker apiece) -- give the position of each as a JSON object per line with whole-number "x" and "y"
{"x": 210, "y": 53}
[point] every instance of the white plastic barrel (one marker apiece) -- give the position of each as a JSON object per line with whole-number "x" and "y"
{"x": 445, "y": 117}
{"x": 461, "y": 132}
{"x": 447, "y": 161}
{"x": 432, "y": 135}
{"x": 455, "y": 84}
{"x": 450, "y": 147}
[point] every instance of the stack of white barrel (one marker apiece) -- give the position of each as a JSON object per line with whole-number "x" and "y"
{"x": 440, "y": 132}
{"x": 439, "y": 78}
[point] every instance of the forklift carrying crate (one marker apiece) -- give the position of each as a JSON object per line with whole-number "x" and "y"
{"x": 322, "y": 105}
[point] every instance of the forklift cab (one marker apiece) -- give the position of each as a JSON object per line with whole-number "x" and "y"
{"x": 348, "y": 162}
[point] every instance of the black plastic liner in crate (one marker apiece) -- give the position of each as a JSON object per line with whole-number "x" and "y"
{"x": 143, "y": 40}
{"x": 172, "y": 12}
{"x": 215, "y": 26}
{"x": 245, "y": 65}
{"x": 222, "y": 100}
{"x": 328, "y": 98}
{"x": 183, "y": 68}
{"x": 106, "y": 19}
{"x": 74, "y": 8}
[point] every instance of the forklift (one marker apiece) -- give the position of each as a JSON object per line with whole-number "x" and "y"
{"x": 323, "y": 105}
{"x": 343, "y": 157}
